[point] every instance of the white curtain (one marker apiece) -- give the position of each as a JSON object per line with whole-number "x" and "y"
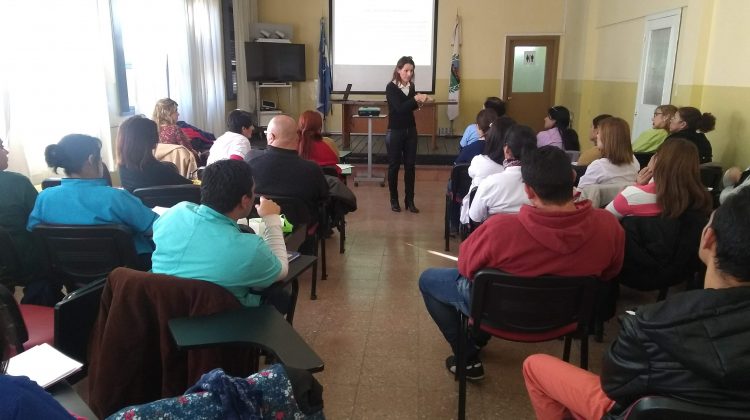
{"x": 206, "y": 64}
{"x": 53, "y": 80}
{"x": 245, "y": 14}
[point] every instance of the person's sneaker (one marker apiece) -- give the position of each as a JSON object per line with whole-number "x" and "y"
{"x": 474, "y": 369}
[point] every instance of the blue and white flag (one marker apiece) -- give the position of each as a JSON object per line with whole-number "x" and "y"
{"x": 325, "y": 84}
{"x": 454, "y": 88}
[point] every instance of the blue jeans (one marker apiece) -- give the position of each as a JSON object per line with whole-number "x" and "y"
{"x": 445, "y": 292}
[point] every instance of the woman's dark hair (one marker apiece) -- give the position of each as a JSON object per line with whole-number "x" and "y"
{"x": 493, "y": 102}
{"x": 224, "y": 184}
{"x": 695, "y": 120}
{"x": 399, "y": 65}
{"x": 561, "y": 116}
{"x": 71, "y": 152}
{"x": 547, "y": 171}
{"x": 520, "y": 139}
{"x": 495, "y": 138}
{"x": 678, "y": 179}
{"x": 239, "y": 119}
{"x": 136, "y": 139}
{"x": 485, "y": 118}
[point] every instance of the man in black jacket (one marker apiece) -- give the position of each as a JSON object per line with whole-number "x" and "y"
{"x": 694, "y": 346}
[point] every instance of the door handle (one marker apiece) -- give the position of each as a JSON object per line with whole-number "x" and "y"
{"x": 509, "y": 98}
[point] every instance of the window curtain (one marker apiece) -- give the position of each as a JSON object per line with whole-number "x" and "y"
{"x": 53, "y": 79}
{"x": 245, "y": 14}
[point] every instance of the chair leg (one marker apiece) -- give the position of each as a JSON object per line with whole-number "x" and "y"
{"x": 323, "y": 269}
{"x": 461, "y": 365}
{"x": 585, "y": 351}
{"x": 342, "y": 234}
{"x": 446, "y": 232}
{"x": 293, "y": 301}
{"x": 566, "y": 348}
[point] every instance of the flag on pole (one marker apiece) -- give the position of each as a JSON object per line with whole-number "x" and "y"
{"x": 325, "y": 84}
{"x": 454, "y": 88}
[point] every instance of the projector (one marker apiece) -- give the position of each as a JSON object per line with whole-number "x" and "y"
{"x": 368, "y": 111}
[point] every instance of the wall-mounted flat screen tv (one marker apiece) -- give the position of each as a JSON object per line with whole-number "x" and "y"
{"x": 275, "y": 62}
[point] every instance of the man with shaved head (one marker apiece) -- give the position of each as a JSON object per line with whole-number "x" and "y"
{"x": 281, "y": 171}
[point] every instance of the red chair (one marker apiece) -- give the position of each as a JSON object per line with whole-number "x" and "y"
{"x": 528, "y": 310}
{"x": 31, "y": 325}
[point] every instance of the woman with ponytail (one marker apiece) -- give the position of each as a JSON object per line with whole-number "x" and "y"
{"x": 690, "y": 124}
{"x": 557, "y": 131}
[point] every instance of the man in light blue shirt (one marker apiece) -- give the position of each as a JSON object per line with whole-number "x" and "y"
{"x": 204, "y": 241}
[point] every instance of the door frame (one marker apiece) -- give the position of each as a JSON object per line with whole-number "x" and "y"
{"x": 550, "y": 78}
{"x": 672, "y": 19}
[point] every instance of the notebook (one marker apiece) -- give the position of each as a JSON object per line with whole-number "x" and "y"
{"x": 43, "y": 364}
{"x": 292, "y": 255}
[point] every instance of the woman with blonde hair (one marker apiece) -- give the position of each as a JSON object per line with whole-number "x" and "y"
{"x": 617, "y": 164}
{"x": 677, "y": 186}
{"x": 166, "y": 116}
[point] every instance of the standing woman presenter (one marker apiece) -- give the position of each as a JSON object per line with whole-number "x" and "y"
{"x": 401, "y": 138}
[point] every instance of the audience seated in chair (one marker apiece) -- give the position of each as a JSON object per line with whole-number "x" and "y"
{"x": 471, "y": 134}
{"x": 137, "y": 138}
{"x": 688, "y": 123}
{"x": 651, "y": 139}
{"x": 484, "y": 120}
{"x": 235, "y": 143}
{"x": 553, "y": 236}
{"x": 311, "y": 144}
{"x": 489, "y": 162}
{"x": 557, "y": 131}
{"x": 503, "y": 192}
{"x": 692, "y": 346}
{"x": 20, "y": 397}
{"x": 676, "y": 188}
{"x": 84, "y": 198}
{"x": 204, "y": 241}
{"x": 18, "y": 198}
{"x": 165, "y": 115}
{"x": 617, "y": 164}
{"x": 282, "y": 172}
{"x": 592, "y": 153}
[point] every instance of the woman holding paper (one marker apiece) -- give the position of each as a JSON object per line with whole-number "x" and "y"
{"x": 401, "y": 138}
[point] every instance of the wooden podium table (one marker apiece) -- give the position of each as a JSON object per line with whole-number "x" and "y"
{"x": 426, "y": 119}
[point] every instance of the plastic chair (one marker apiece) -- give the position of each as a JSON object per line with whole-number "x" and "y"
{"x": 459, "y": 186}
{"x": 51, "y": 182}
{"x": 79, "y": 254}
{"x": 74, "y": 317}
{"x": 10, "y": 261}
{"x": 666, "y": 408}
{"x": 580, "y": 171}
{"x": 30, "y": 325}
{"x": 168, "y": 195}
{"x": 528, "y": 310}
{"x": 643, "y": 158}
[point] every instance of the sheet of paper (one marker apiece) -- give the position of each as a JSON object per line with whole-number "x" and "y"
{"x": 43, "y": 364}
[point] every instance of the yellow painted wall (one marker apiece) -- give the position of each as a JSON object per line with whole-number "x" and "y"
{"x": 486, "y": 23}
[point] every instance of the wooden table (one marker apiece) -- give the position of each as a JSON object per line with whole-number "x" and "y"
{"x": 426, "y": 119}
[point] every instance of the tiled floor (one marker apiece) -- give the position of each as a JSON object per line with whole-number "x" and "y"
{"x": 384, "y": 357}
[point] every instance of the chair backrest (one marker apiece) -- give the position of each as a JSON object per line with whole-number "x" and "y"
{"x": 573, "y": 155}
{"x": 580, "y": 171}
{"x": 666, "y": 408}
{"x": 602, "y": 194}
{"x": 643, "y": 158}
{"x": 10, "y": 262}
{"x": 460, "y": 181}
{"x": 168, "y": 195}
{"x": 51, "y": 182}
{"x": 74, "y": 319}
{"x": 744, "y": 176}
{"x": 660, "y": 252}
{"x": 81, "y": 254}
{"x": 711, "y": 175}
{"x": 531, "y": 305}
{"x": 12, "y": 313}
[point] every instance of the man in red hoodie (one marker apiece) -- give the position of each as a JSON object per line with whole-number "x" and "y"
{"x": 554, "y": 235}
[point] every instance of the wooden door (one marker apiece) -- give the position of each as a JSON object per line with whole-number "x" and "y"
{"x": 530, "y": 76}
